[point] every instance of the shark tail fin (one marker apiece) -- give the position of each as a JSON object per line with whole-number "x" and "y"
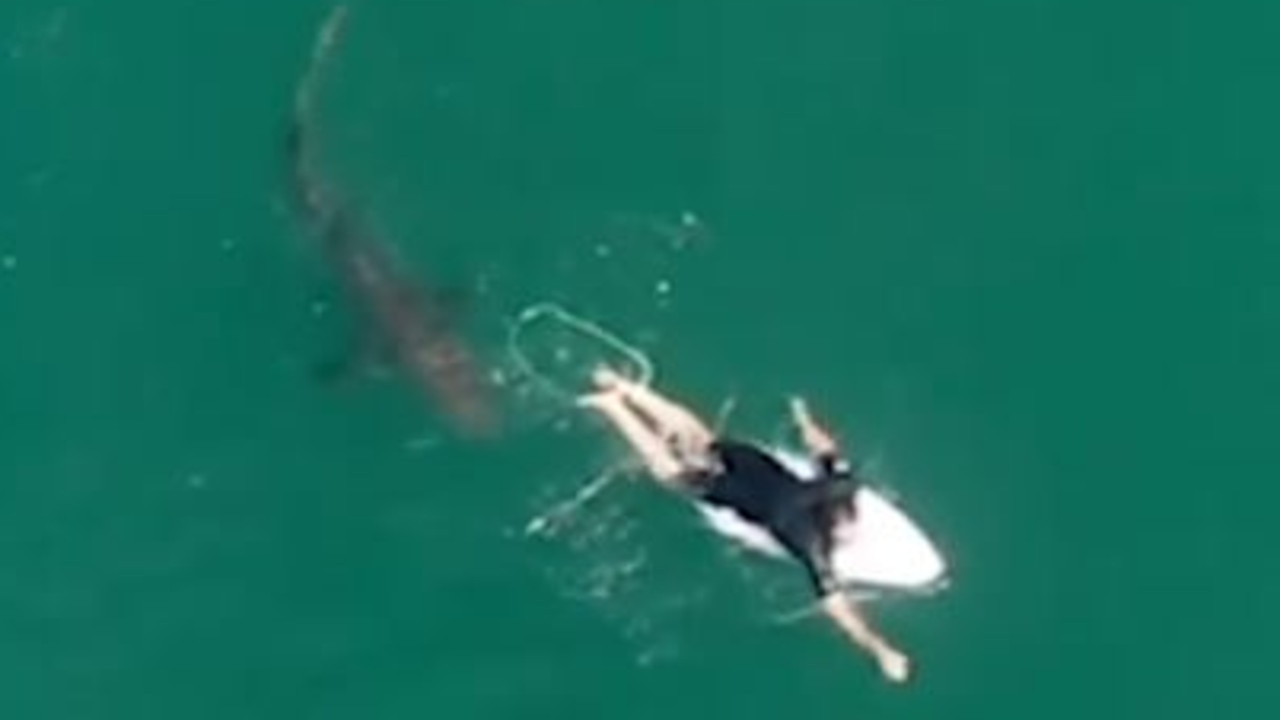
{"x": 299, "y": 143}
{"x": 328, "y": 36}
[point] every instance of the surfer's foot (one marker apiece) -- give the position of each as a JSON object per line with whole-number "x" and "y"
{"x": 603, "y": 400}
{"x": 607, "y": 379}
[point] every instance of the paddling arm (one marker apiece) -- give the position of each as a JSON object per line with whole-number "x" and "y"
{"x": 816, "y": 438}
{"x": 820, "y": 443}
{"x": 845, "y": 614}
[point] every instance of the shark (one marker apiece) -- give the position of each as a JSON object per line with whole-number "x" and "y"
{"x": 414, "y": 326}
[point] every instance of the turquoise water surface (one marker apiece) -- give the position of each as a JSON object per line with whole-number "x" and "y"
{"x": 1021, "y": 255}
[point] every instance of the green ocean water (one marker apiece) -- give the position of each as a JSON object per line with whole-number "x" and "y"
{"x": 1022, "y": 255}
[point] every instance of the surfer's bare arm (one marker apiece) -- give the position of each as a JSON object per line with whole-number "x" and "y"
{"x": 845, "y": 614}
{"x": 819, "y": 442}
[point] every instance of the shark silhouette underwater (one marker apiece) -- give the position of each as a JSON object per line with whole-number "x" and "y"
{"x": 414, "y": 327}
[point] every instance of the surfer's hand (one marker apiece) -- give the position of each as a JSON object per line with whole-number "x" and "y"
{"x": 894, "y": 665}
{"x": 815, "y": 438}
{"x": 799, "y": 409}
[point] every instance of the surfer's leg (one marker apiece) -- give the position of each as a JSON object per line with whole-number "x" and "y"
{"x": 673, "y": 420}
{"x": 651, "y": 448}
{"x": 687, "y": 438}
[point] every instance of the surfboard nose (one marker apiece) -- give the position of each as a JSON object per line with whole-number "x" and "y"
{"x": 888, "y": 548}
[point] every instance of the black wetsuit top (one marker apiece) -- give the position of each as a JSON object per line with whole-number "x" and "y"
{"x": 800, "y": 514}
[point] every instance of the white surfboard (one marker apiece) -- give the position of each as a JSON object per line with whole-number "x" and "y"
{"x": 884, "y": 548}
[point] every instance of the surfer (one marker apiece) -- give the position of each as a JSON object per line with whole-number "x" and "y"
{"x": 806, "y": 518}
